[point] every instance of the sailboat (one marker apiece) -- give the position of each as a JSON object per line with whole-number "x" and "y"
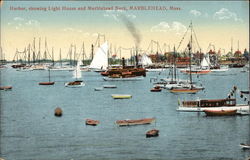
{"x": 203, "y": 69}
{"x": 100, "y": 60}
{"x": 77, "y": 75}
{"x": 47, "y": 83}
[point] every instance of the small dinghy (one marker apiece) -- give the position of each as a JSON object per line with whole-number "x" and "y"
{"x": 6, "y": 88}
{"x": 156, "y": 89}
{"x": 152, "y": 133}
{"x": 121, "y": 96}
{"x": 245, "y": 146}
{"x": 109, "y": 86}
{"x": 98, "y": 88}
{"x": 91, "y": 122}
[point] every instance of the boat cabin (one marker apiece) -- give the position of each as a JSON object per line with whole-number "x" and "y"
{"x": 210, "y": 103}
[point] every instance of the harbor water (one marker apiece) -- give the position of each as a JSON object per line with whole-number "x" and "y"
{"x": 30, "y": 131}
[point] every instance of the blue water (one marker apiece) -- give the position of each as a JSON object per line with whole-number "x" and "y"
{"x": 30, "y": 131}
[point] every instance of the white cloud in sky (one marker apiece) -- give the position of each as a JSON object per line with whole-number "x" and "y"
{"x": 115, "y": 14}
{"x": 18, "y": 19}
{"x": 226, "y": 14}
{"x": 32, "y": 22}
{"x": 20, "y": 23}
{"x": 194, "y": 12}
{"x": 176, "y": 27}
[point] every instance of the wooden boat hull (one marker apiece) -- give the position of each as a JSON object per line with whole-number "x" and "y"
{"x": 75, "y": 84}
{"x": 135, "y": 122}
{"x": 183, "y": 90}
{"x": 222, "y": 112}
{"x": 196, "y": 72}
{"x": 6, "y": 88}
{"x": 152, "y": 133}
{"x": 155, "y": 90}
{"x": 121, "y": 96}
{"x": 46, "y": 83}
{"x": 91, "y": 122}
{"x": 123, "y": 79}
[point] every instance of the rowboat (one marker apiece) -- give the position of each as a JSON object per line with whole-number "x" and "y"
{"x": 222, "y": 112}
{"x": 75, "y": 84}
{"x": 6, "y": 88}
{"x": 156, "y": 89}
{"x": 91, "y": 122}
{"x": 245, "y": 146}
{"x": 46, "y": 83}
{"x": 109, "y": 86}
{"x": 98, "y": 88}
{"x": 152, "y": 133}
{"x": 121, "y": 96}
{"x": 134, "y": 122}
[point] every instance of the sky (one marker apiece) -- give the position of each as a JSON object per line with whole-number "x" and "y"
{"x": 124, "y": 24}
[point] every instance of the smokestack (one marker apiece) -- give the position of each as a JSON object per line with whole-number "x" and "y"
{"x": 134, "y": 32}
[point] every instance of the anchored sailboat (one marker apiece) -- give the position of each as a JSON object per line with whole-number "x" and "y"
{"x": 47, "y": 83}
{"x": 77, "y": 75}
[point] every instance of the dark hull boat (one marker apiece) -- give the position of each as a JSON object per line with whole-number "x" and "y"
{"x": 46, "y": 83}
{"x": 152, "y": 133}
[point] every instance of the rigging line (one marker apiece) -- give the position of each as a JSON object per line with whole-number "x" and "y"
{"x": 183, "y": 37}
{"x": 196, "y": 39}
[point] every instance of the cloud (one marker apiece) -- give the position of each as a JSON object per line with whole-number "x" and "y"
{"x": 195, "y": 13}
{"x": 226, "y": 14}
{"x": 161, "y": 27}
{"x": 115, "y": 14}
{"x": 20, "y": 23}
{"x": 18, "y": 19}
{"x": 176, "y": 27}
{"x": 68, "y": 29}
{"x": 33, "y": 23}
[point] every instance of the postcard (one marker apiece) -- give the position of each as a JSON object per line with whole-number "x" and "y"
{"x": 89, "y": 80}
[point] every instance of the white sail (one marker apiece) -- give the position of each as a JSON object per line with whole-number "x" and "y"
{"x": 205, "y": 62}
{"x": 77, "y": 72}
{"x": 100, "y": 60}
{"x": 145, "y": 60}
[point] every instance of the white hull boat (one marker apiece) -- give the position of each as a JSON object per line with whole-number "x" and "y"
{"x": 123, "y": 79}
{"x": 239, "y": 108}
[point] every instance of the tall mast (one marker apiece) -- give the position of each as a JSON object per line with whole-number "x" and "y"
{"x": 29, "y": 54}
{"x": 60, "y": 57}
{"x": 34, "y": 50}
{"x": 174, "y": 64}
{"x": 39, "y": 49}
{"x": 232, "y": 45}
{"x": 92, "y": 52}
{"x": 83, "y": 53}
{"x": 49, "y": 74}
{"x": 53, "y": 61}
{"x": 190, "y": 49}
